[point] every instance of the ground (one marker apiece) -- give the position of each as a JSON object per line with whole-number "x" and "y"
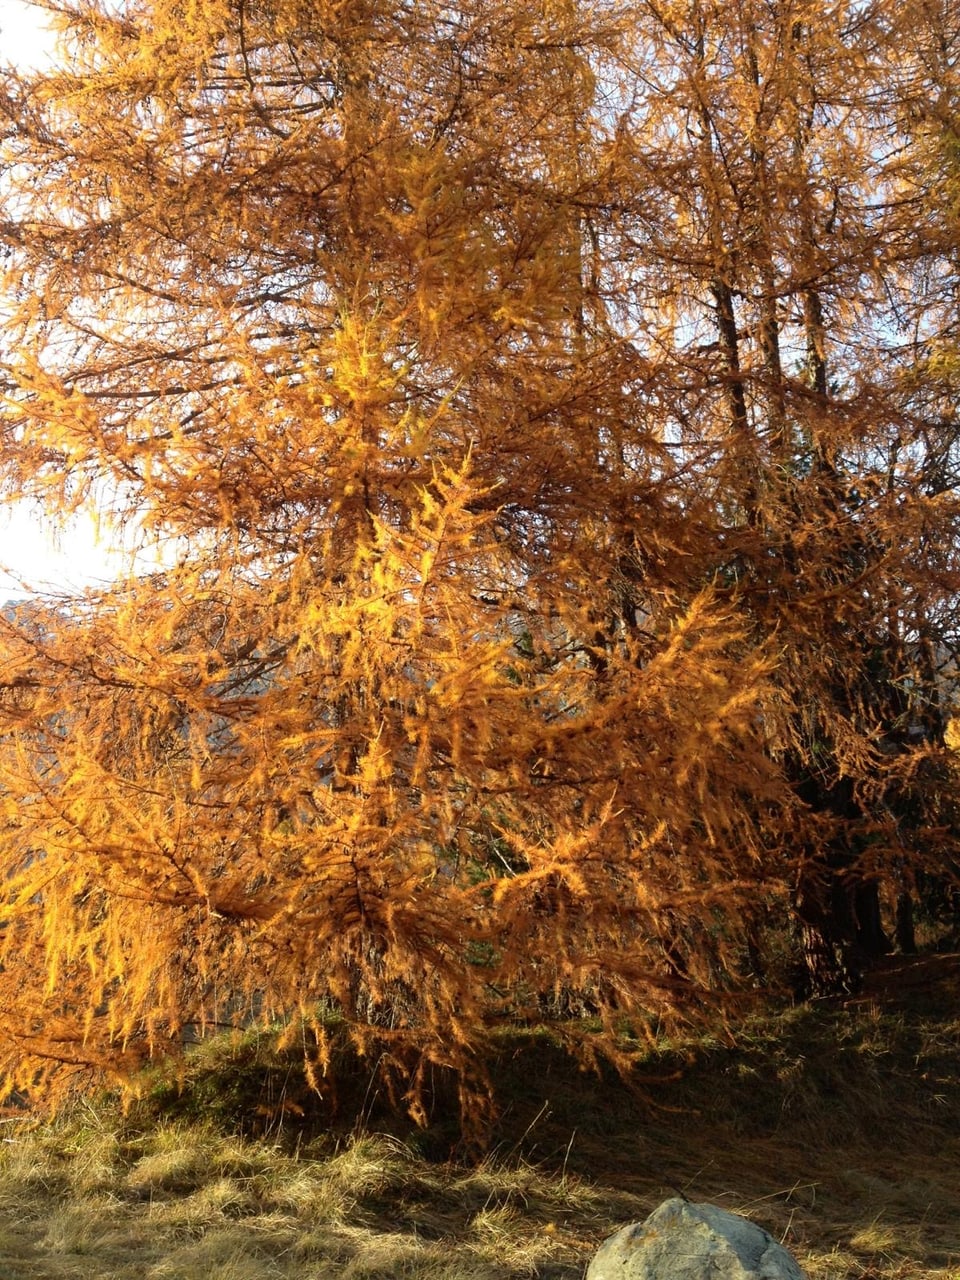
{"x": 836, "y": 1126}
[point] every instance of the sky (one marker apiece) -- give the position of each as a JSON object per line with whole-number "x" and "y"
{"x": 23, "y": 39}
{"x": 38, "y": 554}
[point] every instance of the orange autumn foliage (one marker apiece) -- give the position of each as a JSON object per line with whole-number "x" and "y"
{"x": 546, "y": 405}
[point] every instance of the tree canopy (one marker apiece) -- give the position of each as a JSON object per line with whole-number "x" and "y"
{"x": 552, "y": 409}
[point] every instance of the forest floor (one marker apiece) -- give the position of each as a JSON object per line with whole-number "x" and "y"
{"x": 836, "y": 1126}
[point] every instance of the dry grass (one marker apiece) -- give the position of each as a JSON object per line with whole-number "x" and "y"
{"x": 183, "y": 1203}
{"x": 837, "y": 1129}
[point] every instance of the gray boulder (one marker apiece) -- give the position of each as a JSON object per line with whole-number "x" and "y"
{"x": 684, "y": 1241}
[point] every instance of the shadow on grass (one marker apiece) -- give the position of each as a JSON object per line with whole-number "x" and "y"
{"x": 835, "y": 1126}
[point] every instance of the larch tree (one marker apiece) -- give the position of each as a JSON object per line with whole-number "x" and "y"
{"x": 771, "y": 170}
{"x": 924, "y": 87}
{"x": 519, "y": 392}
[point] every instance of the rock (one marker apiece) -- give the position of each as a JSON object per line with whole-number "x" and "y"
{"x": 684, "y": 1241}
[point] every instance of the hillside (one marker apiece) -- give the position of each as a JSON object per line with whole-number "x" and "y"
{"x": 837, "y": 1126}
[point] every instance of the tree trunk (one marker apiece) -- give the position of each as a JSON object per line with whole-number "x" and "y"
{"x": 904, "y": 931}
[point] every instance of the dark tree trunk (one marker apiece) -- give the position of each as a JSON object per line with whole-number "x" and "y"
{"x": 841, "y": 931}
{"x": 869, "y": 936}
{"x": 826, "y": 964}
{"x": 825, "y": 971}
{"x": 904, "y": 933}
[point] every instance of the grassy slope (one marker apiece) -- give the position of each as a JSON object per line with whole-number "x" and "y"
{"x": 837, "y": 1127}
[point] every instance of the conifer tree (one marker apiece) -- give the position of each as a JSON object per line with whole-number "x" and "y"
{"x": 520, "y": 390}
{"x": 805, "y": 280}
